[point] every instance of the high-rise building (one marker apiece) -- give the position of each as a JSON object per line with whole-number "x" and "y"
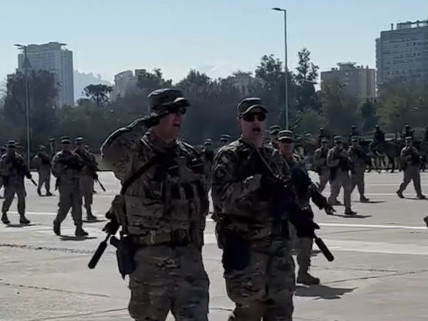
{"x": 402, "y": 53}
{"x": 356, "y": 80}
{"x": 53, "y": 58}
{"x": 124, "y": 83}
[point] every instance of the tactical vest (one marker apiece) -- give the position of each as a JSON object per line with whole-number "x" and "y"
{"x": 170, "y": 196}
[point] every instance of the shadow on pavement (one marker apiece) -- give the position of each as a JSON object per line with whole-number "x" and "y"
{"x": 76, "y": 238}
{"x": 353, "y": 216}
{"x": 20, "y": 225}
{"x": 96, "y": 221}
{"x": 322, "y": 292}
{"x": 372, "y": 202}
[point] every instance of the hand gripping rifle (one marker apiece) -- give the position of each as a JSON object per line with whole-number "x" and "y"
{"x": 292, "y": 206}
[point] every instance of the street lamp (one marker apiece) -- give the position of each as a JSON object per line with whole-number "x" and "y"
{"x": 26, "y": 65}
{"x": 285, "y": 64}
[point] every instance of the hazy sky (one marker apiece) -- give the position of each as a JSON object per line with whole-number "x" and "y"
{"x": 213, "y": 36}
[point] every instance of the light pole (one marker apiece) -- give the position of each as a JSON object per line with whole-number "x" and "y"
{"x": 285, "y": 64}
{"x": 26, "y": 65}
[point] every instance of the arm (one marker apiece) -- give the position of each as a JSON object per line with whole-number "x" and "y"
{"x": 227, "y": 190}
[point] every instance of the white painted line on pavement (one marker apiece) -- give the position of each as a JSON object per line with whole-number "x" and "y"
{"x": 402, "y": 227}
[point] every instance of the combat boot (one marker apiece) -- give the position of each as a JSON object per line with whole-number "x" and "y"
{"x": 80, "y": 231}
{"x": 57, "y": 227}
{"x": 39, "y": 192}
{"x": 421, "y": 196}
{"x": 426, "y": 220}
{"x": 5, "y": 219}
{"x": 48, "y": 193}
{"x": 24, "y": 220}
{"x": 400, "y": 194}
{"x": 90, "y": 216}
{"x": 364, "y": 199}
{"x": 307, "y": 279}
{"x": 350, "y": 212}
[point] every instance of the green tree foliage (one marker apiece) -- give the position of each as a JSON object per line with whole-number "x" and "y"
{"x": 306, "y": 78}
{"x": 99, "y": 93}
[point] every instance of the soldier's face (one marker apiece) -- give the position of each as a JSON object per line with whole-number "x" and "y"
{"x": 339, "y": 145}
{"x": 169, "y": 126}
{"x": 66, "y": 146}
{"x": 408, "y": 143}
{"x": 253, "y": 124}
{"x": 286, "y": 149}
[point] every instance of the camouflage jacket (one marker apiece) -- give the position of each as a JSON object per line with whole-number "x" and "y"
{"x": 410, "y": 156}
{"x": 358, "y": 156}
{"x": 90, "y": 166}
{"x": 171, "y": 195}
{"x": 320, "y": 157}
{"x": 42, "y": 162}
{"x": 67, "y": 166}
{"x": 13, "y": 168}
{"x": 236, "y": 191}
{"x": 337, "y": 158}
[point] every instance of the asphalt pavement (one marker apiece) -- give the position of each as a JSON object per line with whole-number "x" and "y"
{"x": 380, "y": 272}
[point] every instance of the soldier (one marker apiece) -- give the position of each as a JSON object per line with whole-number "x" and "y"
{"x": 321, "y": 135}
{"x": 13, "y": 170}
{"x": 166, "y": 208}
{"x": 411, "y": 161}
{"x": 379, "y": 135}
{"x": 88, "y": 174}
{"x": 320, "y": 159}
{"x": 208, "y": 158}
{"x": 360, "y": 160}
{"x": 408, "y": 132}
{"x": 273, "y": 135}
{"x": 251, "y": 228}
{"x": 67, "y": 167}
{"x": 3, "y": 151}
{"x": 340, "y": 165}
{"x": 224, "y": 139}
{"x": 306, "y": 190}
{"x": 354, "y": 132}
{"x": 94, "y": 160}
{"x": 42, "y": 162}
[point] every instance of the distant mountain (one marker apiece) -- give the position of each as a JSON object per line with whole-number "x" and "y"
{"x": 81, "y": 80}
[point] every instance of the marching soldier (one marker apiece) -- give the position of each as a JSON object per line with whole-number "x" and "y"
{"x": 224, "y": 139}
{"x": 14, "y": 170}
{"x": 273, "y": 135}
{"x": 166, "y": 207}
{"x": 3, "y": 151}
{"x": 251, "y": 230}
{"x": 305, "y": 191}
{"x": 208, "y": 158}
{"x": 67, "y": 167}
{"x": 320, "y": 159}
{"x": 88, "y": 174}
{"x": 339, "y": 163}
{"x": 354, "y": 132}
{"x": 42, "y": 162}
{"x": 411, "y": 161}
{"x": 408, "y": 132}
{"x": 360, "y": 160}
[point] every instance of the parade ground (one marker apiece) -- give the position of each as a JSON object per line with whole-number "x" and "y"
{"x": 380, "y": 272}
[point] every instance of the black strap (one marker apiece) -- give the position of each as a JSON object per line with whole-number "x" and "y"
{"x": 138, "y": 173}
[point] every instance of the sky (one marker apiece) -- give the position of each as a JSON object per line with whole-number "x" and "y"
{"x": 213, "y": 36}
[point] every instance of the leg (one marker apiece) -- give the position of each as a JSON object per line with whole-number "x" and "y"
{"x": 48, "y": 183}
{"x": 21, "y": 194}
{"x": 407, "y": 177}
{"x": 346, "y": 183}
{"x": 191, "y": 297}
{"x": 360, "y": 183}
{"x": 254, "y": 311}
{"x": 64, "y": 205}
{"x": 417, "y": 181}
{"x": 324, "y": 176}
{"x": 40, "y": 182}
{"x": 76, "y": 210}
{"x": 87, "y": 187}
{"x": 304, "y": 260}
{"x": 354, "y": 180}
{"x": 335, "y": 189}
{"x": 9, "y": 192}
{"x": 151, "y": 284}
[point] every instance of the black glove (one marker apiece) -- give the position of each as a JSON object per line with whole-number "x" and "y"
{"x": 111, "y": 227}
{"x": 306, "y": 228}
{"x": 28, "y": 175}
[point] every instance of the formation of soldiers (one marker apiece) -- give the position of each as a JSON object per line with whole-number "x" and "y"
{"x": 261, "y": 194}
{"x": 75, "y": 173}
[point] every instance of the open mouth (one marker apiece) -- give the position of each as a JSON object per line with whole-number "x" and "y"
{"x": 177, "y": 125}
{"x": 256, "y": 130}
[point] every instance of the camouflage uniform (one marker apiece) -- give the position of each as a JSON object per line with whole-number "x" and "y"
{"x": 411, "y": 160}
{"x": 321, "y": 167}
{"x": 87, "y": 176}
{"x": 166, "y": 208}
{"x": 66, "y": 167}
{"x": 359, "y": 160}
{"x": 263, "y": 287}
{"x": 13, "y": 171}
{"x": 42, "y": 162}
{"x": 339, "y": 163}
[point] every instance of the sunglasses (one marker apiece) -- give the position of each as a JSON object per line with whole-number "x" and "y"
{"x": 253, "y": 116}
{"x": 177, "y": 109}
{"x": 338, "y": 143}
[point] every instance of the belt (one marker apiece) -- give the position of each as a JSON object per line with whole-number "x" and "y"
{"x": 174, "y": 238}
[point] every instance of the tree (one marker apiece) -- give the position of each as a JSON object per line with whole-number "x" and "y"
{"x": 368, "y": 111}
{"x": 149, "y": 81}
{"x": 98, "y": 93}
{"x": 306, "y": 78}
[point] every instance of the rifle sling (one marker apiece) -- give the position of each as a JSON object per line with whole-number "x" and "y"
{"x": 138, "y": 173}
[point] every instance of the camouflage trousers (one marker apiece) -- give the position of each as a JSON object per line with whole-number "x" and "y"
{"x": 87, "y": 188}
{"x": 44, "y": 179}
{"x": 357, "y": 179}
{"x": 411, "y": 173}
{"x": 70, "y": 197}
{"x": 303, "y": 247}
{"x": 264, "y": 288}
{"x": 342, "y": 179}
{"x": 169, "y": 279}
{"x": 9, "y": 192}
{"x": 324, "y": 176}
